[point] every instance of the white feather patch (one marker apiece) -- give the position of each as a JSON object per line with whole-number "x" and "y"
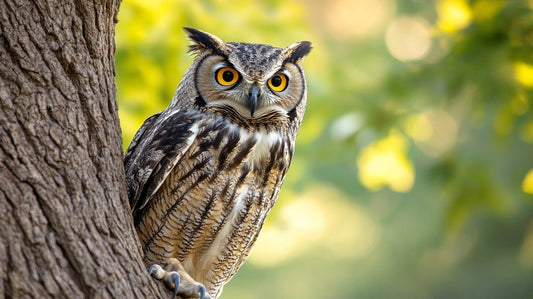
{"x": 264, "y": 143}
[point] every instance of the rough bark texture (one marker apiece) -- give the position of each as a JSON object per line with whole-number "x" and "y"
{"x": 65, "y": 227}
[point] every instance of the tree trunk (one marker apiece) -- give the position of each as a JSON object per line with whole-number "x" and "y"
{"x": 65, "y": 224}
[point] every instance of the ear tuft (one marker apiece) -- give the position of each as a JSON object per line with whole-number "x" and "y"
{"x": 297, "y": 51}
{"x": 204, "y": 41}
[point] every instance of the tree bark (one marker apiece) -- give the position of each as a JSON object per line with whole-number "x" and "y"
{"x": 65, "y": 223}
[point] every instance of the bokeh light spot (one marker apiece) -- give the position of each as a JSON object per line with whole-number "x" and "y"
{"x": 357, "y": 18}
{"x": 346, "y": 125}
{"x": 419, "y": 127}
{"x": 454, "y": 15}
{"x": 527, "y": 184}
{"x": 385, "y": 162}
{"x": 434, "y": 131}
{"x": 408, "y": 38}
{"x": 523, "y": 73}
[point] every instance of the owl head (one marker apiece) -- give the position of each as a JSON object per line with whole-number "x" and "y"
{"x": 254, "y": 85}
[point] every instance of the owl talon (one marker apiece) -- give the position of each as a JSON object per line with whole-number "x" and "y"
{"x": 184, "y": 286}
{"x": 202, "y": 292}
{"x": 156, "y": 272}
{"x": 176, "y": 278}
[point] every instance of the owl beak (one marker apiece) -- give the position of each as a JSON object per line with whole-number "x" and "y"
{"x": 253, "y": 98}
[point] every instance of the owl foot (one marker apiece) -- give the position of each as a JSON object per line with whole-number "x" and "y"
{"x": 182, "y": 284}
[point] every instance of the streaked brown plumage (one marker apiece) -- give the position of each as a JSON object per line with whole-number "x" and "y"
{"x": 203, "y": 174}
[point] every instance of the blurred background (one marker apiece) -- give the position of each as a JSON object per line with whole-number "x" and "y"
{"x": 413, "y": 171}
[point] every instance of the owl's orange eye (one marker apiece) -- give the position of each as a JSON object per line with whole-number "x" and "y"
{"x": 278, "y": 82}
{"x": 227, "y": 76}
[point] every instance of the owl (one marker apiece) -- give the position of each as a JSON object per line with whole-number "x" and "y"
{"x": 203, "y": 174}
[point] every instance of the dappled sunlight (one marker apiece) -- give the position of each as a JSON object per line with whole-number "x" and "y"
{"x": 306, "y": 223}
{"x": 385, "y": 162}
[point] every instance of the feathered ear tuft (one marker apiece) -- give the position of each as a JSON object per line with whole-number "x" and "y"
{"x": 297, "y": 51}
{"x": 204, "y": 41}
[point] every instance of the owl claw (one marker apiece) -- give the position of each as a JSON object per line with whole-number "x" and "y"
{"x": 188, "y": 289}
{"x": 176, "y": 278}
{"x": 156, "y": 271}
{"x": 171, "y": 279}
{"x": 202, "y": 292}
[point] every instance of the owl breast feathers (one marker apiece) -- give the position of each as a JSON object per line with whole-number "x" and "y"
{"x": 203, "y": 174}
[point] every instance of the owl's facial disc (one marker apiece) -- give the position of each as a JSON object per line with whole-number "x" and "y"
{"x": 225, "y": 83}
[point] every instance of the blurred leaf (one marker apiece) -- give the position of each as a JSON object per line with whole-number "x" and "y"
{"x": 385, "y": 162}
{"x": 472, "y": 189}
{"x": 527, "y": 183}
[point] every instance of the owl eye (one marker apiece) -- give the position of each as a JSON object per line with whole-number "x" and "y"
{"x": 278, "y": 82}
{"x": 227, "y": 76}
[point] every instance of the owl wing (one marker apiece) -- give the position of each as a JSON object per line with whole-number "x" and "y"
{"x": 155, "y": 150}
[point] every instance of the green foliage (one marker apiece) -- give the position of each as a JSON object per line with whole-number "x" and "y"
{"x": 440, "y": 91}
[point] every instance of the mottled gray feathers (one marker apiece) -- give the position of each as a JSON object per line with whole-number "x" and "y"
{"x": 149, "y": 162}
